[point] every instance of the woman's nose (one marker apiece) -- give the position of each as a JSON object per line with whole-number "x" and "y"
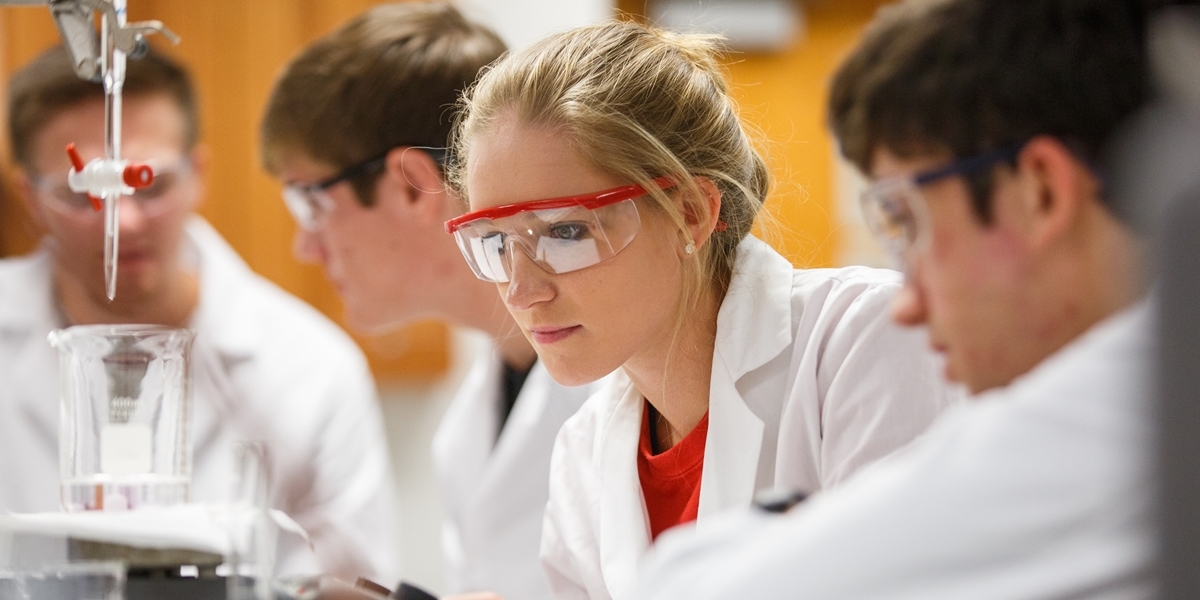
{"x": 528, "y": 283}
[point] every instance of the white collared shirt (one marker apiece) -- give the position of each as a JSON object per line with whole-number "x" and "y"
{"x": 810, "y": 381}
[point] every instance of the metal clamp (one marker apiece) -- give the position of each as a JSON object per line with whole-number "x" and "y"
{"x": 76, "y": 26}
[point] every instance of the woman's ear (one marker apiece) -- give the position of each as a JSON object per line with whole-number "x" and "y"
{"x": 703, "y": 215}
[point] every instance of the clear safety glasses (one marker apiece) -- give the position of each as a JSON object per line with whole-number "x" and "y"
{"x": 895, "y": 210}
{"x": 560, "y": 234}
{"x": 310, "y": 203}
{"x": 152, "y": 201}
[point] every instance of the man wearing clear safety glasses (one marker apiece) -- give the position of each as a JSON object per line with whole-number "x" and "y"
{"x": 152, "y": 201}
{"x": 895, "y": 211}
{"x": 258, "y": 352}
{"x": 981, "y": 124}
{"x": 311, "y": 203}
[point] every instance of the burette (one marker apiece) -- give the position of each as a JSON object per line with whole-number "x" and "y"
{"x": 104, "y": 180}
{"x": 112, "y": 70}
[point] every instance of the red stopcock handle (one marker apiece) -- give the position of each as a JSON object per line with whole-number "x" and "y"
{"x": 134, "y": 175}
{"x": 77, "y": 164}
{"x": 138, "y": 176}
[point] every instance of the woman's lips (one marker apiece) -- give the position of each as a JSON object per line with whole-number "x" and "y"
{"x": 549, "y": 335}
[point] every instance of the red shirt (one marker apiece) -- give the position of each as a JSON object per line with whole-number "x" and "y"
{"x": 671, "y": 480}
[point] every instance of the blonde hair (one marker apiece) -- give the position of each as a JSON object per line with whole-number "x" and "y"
{"x": 637, "y": 103}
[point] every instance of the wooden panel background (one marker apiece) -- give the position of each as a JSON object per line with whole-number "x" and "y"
{"x": 235, "y": 49}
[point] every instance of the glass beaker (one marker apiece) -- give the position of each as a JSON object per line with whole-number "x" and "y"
{"x": 250, "y": 563}
{"x": 125, "y": 416}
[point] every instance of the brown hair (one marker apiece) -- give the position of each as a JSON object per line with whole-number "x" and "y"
{"x": 48, "y": 85}
{"x": 387, "y": 78}
{"x": 969, "y": 77}
{"x": 638, "y": 103}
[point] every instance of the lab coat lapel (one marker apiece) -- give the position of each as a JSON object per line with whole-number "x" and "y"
{"x": 753, "y": 326}
{"x": 465, "y": 437}
{"x": 225, "y": 337}
{"x": 624, "y": 526}
{"x": 524, "y": 420}
{"x": 732, "y": 449}
{"x": 223, "y": 274}
{"x": 755, "y": 321}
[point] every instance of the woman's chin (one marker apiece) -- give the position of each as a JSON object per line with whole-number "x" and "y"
{"x": 571, "y": 373}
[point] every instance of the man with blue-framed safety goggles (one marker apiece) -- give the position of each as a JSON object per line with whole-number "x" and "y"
{"x": 895, "y": 210}
{"x": 1029, "y": 281}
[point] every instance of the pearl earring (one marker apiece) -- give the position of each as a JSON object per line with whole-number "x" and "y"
{"x": 690, "y": 248}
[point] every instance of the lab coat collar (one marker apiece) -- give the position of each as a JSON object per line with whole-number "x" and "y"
{"x": 624, "y": 525}
{"x": 465, "y": 437}
{"x": 753, "y": 326}
{"x": 755, "y": 321}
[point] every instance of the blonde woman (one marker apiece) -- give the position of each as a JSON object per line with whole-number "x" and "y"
{"x": 612, "y": 191}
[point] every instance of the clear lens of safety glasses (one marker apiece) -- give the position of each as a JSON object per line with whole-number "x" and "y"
{"x": 559, "y": 234}
{"x": 308, "y": 206}
{"x": 153, "y": 200}
{"x": 895, "y": 213}
{"x": 559, "y": 240}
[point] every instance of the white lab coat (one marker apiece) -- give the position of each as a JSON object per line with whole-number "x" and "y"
{"x": 495, "y": 490}
{"x": 1043, "y": 489}
{"x": 810, "y": 381}
{"x": 266, "y": 367}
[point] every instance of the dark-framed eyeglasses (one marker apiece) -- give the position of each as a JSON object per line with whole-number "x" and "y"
{"x": 310, "y": 203}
